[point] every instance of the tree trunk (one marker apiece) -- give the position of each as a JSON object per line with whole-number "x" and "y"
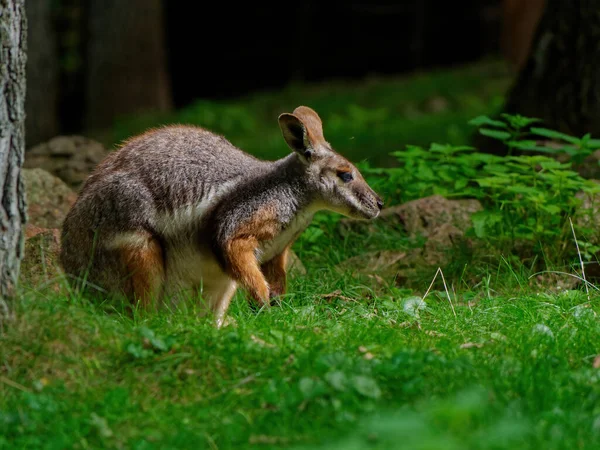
{"x": 520, "y": 19}
{"x": 127, "y": 61}
{"x": 41, "y": 104}
{"x": 13, "y": 56}
{"x": 560, "y": 82}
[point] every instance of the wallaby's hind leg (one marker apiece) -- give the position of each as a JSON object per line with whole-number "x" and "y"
{"x": 143, "y": 260}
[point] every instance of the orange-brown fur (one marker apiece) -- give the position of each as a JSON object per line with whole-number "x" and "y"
{"x": 145, "y": 267}
{"x": 240, "y": 252}
{"x": 343, "y": 168}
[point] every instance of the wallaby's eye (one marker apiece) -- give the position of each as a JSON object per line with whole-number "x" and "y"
{"x": 308, "y": 154}
{"x": 346, "y": 177}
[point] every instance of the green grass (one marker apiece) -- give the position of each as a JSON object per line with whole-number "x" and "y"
{"x": 361, "y": 371}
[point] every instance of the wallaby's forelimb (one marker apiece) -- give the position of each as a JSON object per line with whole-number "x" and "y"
{"x": 243, "y": 265}
{"x": 241, "y": 252}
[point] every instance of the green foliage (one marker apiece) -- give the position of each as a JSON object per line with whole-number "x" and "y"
{"x": 526, "y": 198}
{"x": 513, "y": 130}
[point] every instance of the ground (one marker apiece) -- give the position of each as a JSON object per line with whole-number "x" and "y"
{"x": 498, "y": 358}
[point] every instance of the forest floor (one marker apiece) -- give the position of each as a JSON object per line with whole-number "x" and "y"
{"x": 490, "y": 357}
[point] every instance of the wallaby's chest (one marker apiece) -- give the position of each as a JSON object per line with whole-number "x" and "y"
{"x": 271, "y": 248}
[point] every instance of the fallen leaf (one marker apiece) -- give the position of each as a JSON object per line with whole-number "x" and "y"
{"x": 597, "y": 362}
{"x": 434, "y": 333}
{"x": 471, "y": 345}
{"x": 362, "y": 349}
{"x": 261, "y": 342}
{"x": 368, "y": 356}
{"x": 337, "y": 294}
{"x": 378, "y": 279}
{"x": 268, "y": 440}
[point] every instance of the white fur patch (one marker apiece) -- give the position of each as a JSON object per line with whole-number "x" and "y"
{"x": 127, "y": 239}
{"x": 188, "y": 267}
{"x": 192, "y": 272}
{"x": 171, "y": 225}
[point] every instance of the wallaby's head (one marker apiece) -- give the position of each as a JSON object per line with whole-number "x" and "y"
{"x": 339, "y": 184}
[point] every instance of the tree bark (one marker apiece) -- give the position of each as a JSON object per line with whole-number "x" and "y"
{"x": 127, "y": 61}
{"x": 560, "y": 82}
{"x": 520, "y": 19}
{"x": 41, "y": 104}
{"x": 13, "y": 56}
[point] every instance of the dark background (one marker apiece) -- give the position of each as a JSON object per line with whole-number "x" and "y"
{"x": 234, "y": 48}
{"x": 91, "y": 62}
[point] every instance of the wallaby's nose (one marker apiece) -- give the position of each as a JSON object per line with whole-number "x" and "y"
{"x": 380, "y": 203}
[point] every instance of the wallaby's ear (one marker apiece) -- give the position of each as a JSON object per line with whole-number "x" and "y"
{"x": 302, "y": 130}
{"x": 312, "y": 123}
{"x": 294, "y": 132}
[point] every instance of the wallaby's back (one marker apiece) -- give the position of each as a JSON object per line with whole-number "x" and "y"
{"x": 176, "y": 165}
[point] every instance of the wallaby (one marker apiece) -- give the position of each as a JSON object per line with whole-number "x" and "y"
{"x": 180, "y": 209}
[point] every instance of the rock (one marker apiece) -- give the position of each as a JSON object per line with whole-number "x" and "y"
{"x": 590, "y": 167}
{"x": 71, "y": 158}
{"x": 48, "y": 198}
{"x": 384, "y": 263}
{"x": 588, "y": 214}
{"x": 442, "y": 221}
{"x": 426, "y": 215}
{"x": 441, "y": 241}
{"x": 404, "y": 264}
{"x": 420, "y": 217}
{"x": 40, "y": 266}
{"x": 586, "y": 222}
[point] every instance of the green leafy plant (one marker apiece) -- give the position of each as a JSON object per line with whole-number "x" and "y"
{"x": 526, "y": 198}
{"x": 515, "y": 132}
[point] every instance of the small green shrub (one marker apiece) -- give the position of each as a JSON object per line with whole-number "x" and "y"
{"x": 526, "y": 198}
{"x": 513, "y": 130}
